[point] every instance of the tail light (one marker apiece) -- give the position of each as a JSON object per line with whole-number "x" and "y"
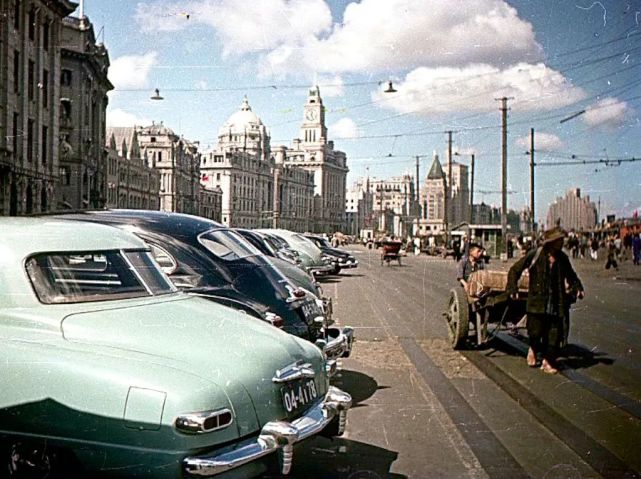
{"x": 274, "y": 319}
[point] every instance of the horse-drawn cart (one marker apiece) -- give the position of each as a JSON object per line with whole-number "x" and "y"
{"x": 391, "y": 252}
{"x": 484, "y": 302}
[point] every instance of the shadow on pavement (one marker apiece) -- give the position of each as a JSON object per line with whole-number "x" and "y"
{"x": 574, "y": 356}
{"x": 343, "y": 459}
{"x": 351, "y": 275}
{"x": 328, "y": 279}
{"x": 360, "y": 386}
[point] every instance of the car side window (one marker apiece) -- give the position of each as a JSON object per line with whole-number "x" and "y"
{"x": 164, "y": 259}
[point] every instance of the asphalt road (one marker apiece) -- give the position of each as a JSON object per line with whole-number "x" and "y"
{"x": 424, "y": 410}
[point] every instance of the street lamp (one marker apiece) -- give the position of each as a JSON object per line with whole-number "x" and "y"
{"x": 156, "y": 95}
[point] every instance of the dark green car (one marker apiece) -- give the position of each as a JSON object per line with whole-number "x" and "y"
{"x": 108, "y": 370}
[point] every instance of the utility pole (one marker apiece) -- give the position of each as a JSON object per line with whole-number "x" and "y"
{"x": 504, "y": 172}
{"x": 532, "y": 180}
{"x": 471, "y": 220}
{"x": 418, "y": 198}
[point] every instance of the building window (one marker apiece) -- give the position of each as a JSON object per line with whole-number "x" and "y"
{"x": 31, "y": 79}
{"x": 16, "y": 14}
{"x": 16, "y": 71}
{"x": 29, "y": 140}
{"x": 45, "y": 89}
{"x": 45, "y": 145}
{"x": 65, "y": 176}
{"x": 32, "y": 24}
{"x": 45, "y": 36}
{"x": 15, "y": 134}
{"x": 65, "y": 109}
{"x": 65, "y": 77}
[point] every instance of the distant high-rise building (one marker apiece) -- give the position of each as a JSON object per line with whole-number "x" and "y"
{"x": 572, "y": 212}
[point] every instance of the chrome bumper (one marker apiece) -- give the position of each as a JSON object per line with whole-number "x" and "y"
{"x": 337, "y": 343}
{"x": 275, "y": 436}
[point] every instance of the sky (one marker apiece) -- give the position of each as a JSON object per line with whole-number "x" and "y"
{"x": 449, "y": 62}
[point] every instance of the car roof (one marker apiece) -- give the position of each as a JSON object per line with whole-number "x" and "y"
{"x": 23, "y": 236}
{"x": 177, "y": 225}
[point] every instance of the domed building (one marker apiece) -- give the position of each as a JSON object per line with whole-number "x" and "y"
{"x": 241, "y": 166}
{"x": 244, "y": 131}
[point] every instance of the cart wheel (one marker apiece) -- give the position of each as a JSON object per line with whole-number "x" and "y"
{"x": 458, "y": 319}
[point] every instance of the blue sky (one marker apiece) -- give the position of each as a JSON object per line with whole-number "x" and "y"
{"x": 448, "y": 60}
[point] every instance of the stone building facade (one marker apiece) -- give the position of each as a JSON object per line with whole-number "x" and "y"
{"x": 359, "y": 208}
{"x": 131, "y": 183}
{"x": 177, "y": 161}
{"x": 211, "y": 203}
{"x": 313, "y": 152}
{"x": 261, "y": 189}
{"x": 241, "y": 165}
{"x": 572, "y": 212}
{"x": 83, "y": 105}
{"x": 30, "y": 32}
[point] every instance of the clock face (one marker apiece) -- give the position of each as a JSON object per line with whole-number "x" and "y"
{"x": 310, "y": 115}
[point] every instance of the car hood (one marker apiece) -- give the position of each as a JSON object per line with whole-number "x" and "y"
{"x": 200, "y": 338}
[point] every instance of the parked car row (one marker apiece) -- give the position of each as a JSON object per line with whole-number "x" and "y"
{"x": 149, "y": 344}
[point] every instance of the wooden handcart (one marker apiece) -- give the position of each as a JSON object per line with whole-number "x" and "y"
{"x": 485, "y": 302}
{"x": 391, "y": 252}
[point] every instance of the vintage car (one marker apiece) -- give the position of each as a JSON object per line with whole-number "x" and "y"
{"x": 311, "y": 256}
{"x": 196, "y": 252}
{"x": 108, "y": 370}
{"x": 341, "y": 259}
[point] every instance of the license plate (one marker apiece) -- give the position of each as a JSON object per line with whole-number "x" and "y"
{"x": 298, "y": 394}
{"x": 311, "y": 310}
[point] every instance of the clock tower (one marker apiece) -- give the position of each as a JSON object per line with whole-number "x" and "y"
{"x": 313, "y": 129}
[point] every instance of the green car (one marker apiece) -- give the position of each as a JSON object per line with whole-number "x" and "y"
{"x": 109, "y": 370}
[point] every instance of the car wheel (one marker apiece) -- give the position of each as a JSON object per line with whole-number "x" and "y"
{"x": 33, "y": 460}
{"x": 336, "y": 270}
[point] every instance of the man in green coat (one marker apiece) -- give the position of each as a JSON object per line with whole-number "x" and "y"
{"x": 553, "y": 286}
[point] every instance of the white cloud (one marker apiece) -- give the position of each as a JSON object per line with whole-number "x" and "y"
{"x": 344, "y": 128}
{"x": 297, "y": 36}
{"x": 201, "y": 85}
{"x": 132, "y": 71}
{"x": 119, "y": 117}
{"x": 474, "y": 88}
{"x": 607, "y": 112}
{"x": 331, "y": 87}
{"x": 542, "y": 142}
{"x": 379, "y": 35}
{"x": 265, "y": 25}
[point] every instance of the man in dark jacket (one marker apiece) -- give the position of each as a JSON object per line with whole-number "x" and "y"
{"x": 553, "y": 286}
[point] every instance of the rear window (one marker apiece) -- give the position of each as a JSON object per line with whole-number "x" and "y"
{"x": 95, "y": 276}
{"x": 227, "y": 245}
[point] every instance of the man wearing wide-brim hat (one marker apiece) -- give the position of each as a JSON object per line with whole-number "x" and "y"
{"x": 553, "y": 286}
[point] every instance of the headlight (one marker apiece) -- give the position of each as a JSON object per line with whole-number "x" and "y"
{"x": 205, "y": 421}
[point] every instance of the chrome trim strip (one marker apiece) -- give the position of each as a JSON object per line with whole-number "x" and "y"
{"x": 275, "y": 436}
{"x": 293, "y": 372}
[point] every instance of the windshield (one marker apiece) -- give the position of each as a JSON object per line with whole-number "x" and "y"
{"x": 227, "y": 245}
{"x": 95, "y": 276}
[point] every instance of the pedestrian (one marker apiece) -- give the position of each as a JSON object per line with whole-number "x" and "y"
{"x": 472, "y": 261}
{"x": 636, "y": 248}
{"x": 417, "y": 246}
{"x": 553, "y": 285}
{"x": 612, "y": 255}
{"x": 584, "y": 245}
{"x": 594, "y": 249}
